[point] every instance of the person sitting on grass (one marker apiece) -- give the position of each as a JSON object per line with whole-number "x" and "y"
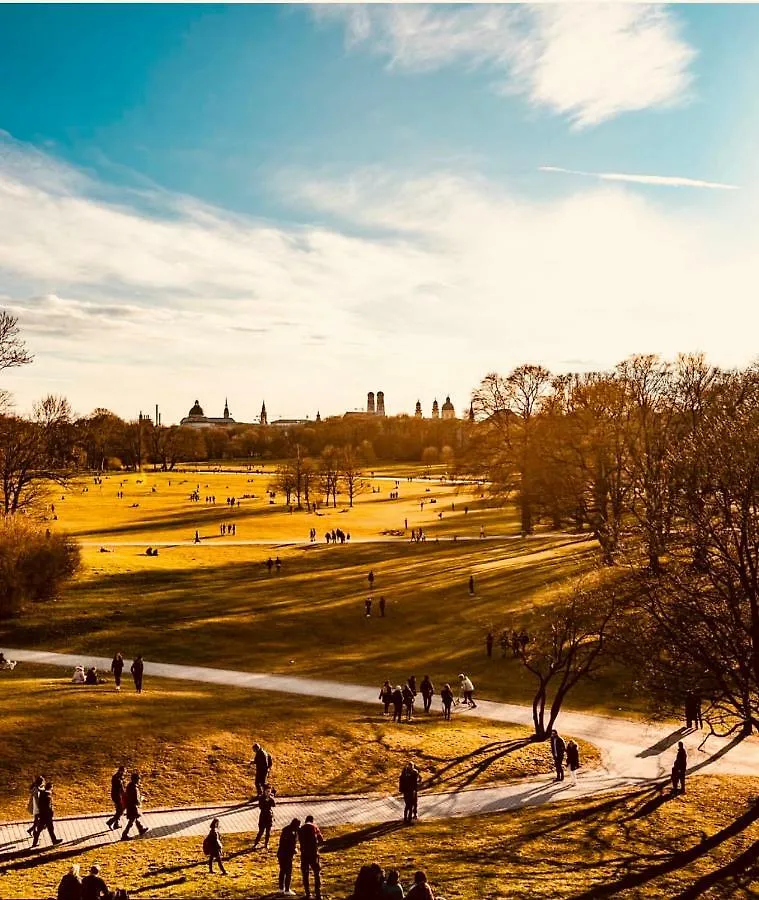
{"x": 421, "y": 889}
{"x": 6, "y": 664}
{"x": 392, "y": 886}
{"x": 78, "y": 676}
{"x": 70, "y": 887}
{"x": 94, "y": 887}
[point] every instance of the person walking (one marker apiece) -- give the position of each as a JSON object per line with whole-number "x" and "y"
{"x": 427, "y": 690}
{"x": 288, "y": 847}
{"x": 467, "y": 690}
{"x": 370, "y": 579}
{"x": 213, "y": 847}
{"x": 33, "y": 806}
{"x": 408, "y": 701}
{"x": 94, "y": 886}
{"x": 368, "y": 607}
{"x": 46, "y": 816}
{"x": 117, "y": 667}
{"x": 310, "y": 838}
{"x": 386, "y": 696}
{"x": 446, "y": 695}
{"x": 489, "y": 644}
{"x": 266, "y": 804}
{"x": 679, "y": 769}
{"x": 262, "y": 762}
{"x": 573, "y": 759}
{"x": 558, "y": 749}
{"x": 70, "y": 887}
{"x": 138, "y": 669}
{"x": 397, "y": 703}
{"x": 269, "y": 564}
{"x": 118, "y": 798}
{"x": 408, "y": 786}
{"x": 382, "y": 607}
{"x": 134, "y": 807}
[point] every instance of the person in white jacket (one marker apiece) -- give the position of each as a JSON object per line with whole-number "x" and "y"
{"x": 467, "y": 690}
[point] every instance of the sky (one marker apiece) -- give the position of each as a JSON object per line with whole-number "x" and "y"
{"x": 300, "y": 204}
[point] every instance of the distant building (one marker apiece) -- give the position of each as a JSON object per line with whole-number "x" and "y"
{"x": 370, "y": 403}
{"x": 263, "y": 419}
{"x": 435, "y": 410}
{"x": 196, "y": 418}
{"x": 380, "y": 403}
{"x": 418, "y": 411}
{"x": 371, "y": 408}
{"x": 448, "y": 411}
{"x": 471, "y": 412}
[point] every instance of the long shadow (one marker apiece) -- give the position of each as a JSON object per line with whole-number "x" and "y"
{"x": 676, "y": 861}
{"x": 156, "y": 887}
{"x": 742, "y": 871}
{"x": 654, "y": 803}
{"x": 718, "y": 754}
{"x": 493, "y": 752}
{"x": 30, "y": 859}
{"x": 664, "y": 744}
{"x": 354, "y": 838}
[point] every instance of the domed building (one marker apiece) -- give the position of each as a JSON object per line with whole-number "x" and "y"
{"x": 448, "y": 411}
{"x": 196, "y": 418}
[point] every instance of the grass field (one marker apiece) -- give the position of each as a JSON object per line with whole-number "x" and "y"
{"x": 193, "y": 741}
{"x": 639, "y": 844}
{"x": 216, "y": 603}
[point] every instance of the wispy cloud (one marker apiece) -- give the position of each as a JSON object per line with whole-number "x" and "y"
{"x": 658, "y": 180}
{"x": 589, "y": 62}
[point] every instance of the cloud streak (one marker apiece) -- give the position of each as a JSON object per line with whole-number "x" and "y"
{"x": 656, "y": 180}
{"x": 587, "y": 62}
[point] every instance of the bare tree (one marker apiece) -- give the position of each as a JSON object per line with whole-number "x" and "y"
{"x": 12, "y": 349}
{"x": 565, "y": 647}
{"x": 329, "y": 474}
{"x": 351, "y": 473}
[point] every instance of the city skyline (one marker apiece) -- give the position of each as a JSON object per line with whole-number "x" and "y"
{"x": 280, "y": 203}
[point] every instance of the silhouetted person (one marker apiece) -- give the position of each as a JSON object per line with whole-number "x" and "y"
{"x": 397, "y": 703}
{"x": 94, "y": 887}
{"x": 446, "y": 695}
{"x": 427, "y": 690}
{"x": 489, "y": 643}
{"x": 558, "y": 749}
{"x": 70, "y": 887}
{"x": 408, "y": 701}
{"x": 46, "y": 818}
{"x": 679, "y": 769}
{"x": 408, "y": 786}
{"x": 309, "y": 838}
{"x": 421, "y": 889}
{"x": 134, "y": 807}
{"x": 137, "y": 669}
{"x": 382, "y": 607}
{"x": 370, "y": 579}
{"x": 266, "y": 804}
{"x": 278, "y": 564}
{"x": 213, "y": 847}
{"x": 573, "y": 759}
{"x": 288, "y": 847}
{"x": 386, "y": 696}
{"x": 118, "y": 798}
{"x": 262, "y": 762}
{"x": 368, "y": 607}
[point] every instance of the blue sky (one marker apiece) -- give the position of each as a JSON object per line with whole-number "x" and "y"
{"x": 305, "y": 203}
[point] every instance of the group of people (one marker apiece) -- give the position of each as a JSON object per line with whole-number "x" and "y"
{"x": 561, "y": 750}
{"x": 6, "y": 665}
{"x": 403, "y": 698}
{"x": 368, "y": 607}
{"x": 336, "y": 536}
{"x": 92, "y": 677}
{"x": 225, "y": 529}
{"x": 91, "y": 887}
{"x": 374, "y": 884}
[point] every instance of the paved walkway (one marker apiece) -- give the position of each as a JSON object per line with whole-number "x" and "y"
{"x": 217, "y": 540}
{"x": 634, "y": 753}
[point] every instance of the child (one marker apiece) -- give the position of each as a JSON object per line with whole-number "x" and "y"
{"x": 212, "y": 847}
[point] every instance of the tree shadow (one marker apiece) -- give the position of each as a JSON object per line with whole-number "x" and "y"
{"x": 742, "y": 871}
{"x": 362, "y": 835}
{"x": 462, "y": 771}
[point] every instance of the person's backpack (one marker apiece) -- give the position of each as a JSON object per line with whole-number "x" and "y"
{"x": 207, "y": 845}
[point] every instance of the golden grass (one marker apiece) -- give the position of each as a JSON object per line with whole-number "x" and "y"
{"x": 192, "y": 743}
{"x": 627, "y": 845}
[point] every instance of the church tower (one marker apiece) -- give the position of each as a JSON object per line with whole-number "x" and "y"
{"x": 226, "y": 409}
{"x": 448, "y": 411}
{"x": 380, "y": 403}
{"x": 370, "y": 403}
{"x": 263, "y": 420}
{"x": 471, "y": 412}
{"x": 435, "y": 410}
{"x": 318, "y": 416}
{"x": 418, "y": 411}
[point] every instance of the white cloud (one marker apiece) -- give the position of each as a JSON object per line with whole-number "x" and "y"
{"x": 589, "y": 62}
{"x": 657, "y": 180}
{"x": 426, "y": 285}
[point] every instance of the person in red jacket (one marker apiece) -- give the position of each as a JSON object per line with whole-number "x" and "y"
{"x": 309, "y": 838}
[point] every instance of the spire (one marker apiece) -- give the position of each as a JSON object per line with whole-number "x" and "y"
{"x": 471, "y": 412}
{"x": 262, "y": 418}
{"x": 226, "y": 408}
{"x": 318, "y": 416}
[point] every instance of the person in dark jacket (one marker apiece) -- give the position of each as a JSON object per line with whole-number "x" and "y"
{"x": 93, "y": 886}
{"x": 679, "y": 769}
{"x": 46, "y": 816}
{"x": 446, "y": 695}
{"x": 134, "y": 807}
{"x": 262, "y": 763}
{"x": 558, "y": 749}
{"x": 213, "y": 847}
{"x": 382, "y": 604}
{"x": 117, "y": 667}
{"x": 573, "y": 759}
{"x": 386, "y": 696}
{"x": 70, "y": 887}
{"x": 427, "y": 690}
{"x": 309, "y": 838}
{"x": 137, "y": 669}
{"x": 489, "y": 643}
{"x": 118, "y": 798}
{"x": 266, "y": 804}
{"x": 412, "y": 683}
{"x": 288, "y": 847}
{"x": 397, "y": 703}
{"x": 408, "y": 786}
{"x": 38, "y": 785}
{"x": 408, "y": 701}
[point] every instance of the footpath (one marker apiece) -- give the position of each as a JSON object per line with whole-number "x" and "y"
{"x": 634, "y": 754}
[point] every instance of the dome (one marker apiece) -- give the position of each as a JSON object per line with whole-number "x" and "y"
{"x": 447, "y": 404}
{"x": 197, "y": 410}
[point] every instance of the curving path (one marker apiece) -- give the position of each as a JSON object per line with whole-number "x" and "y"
{"x": 634, "y": 754}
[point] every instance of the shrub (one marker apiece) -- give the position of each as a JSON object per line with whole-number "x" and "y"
{"x": 34, "y": 565}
